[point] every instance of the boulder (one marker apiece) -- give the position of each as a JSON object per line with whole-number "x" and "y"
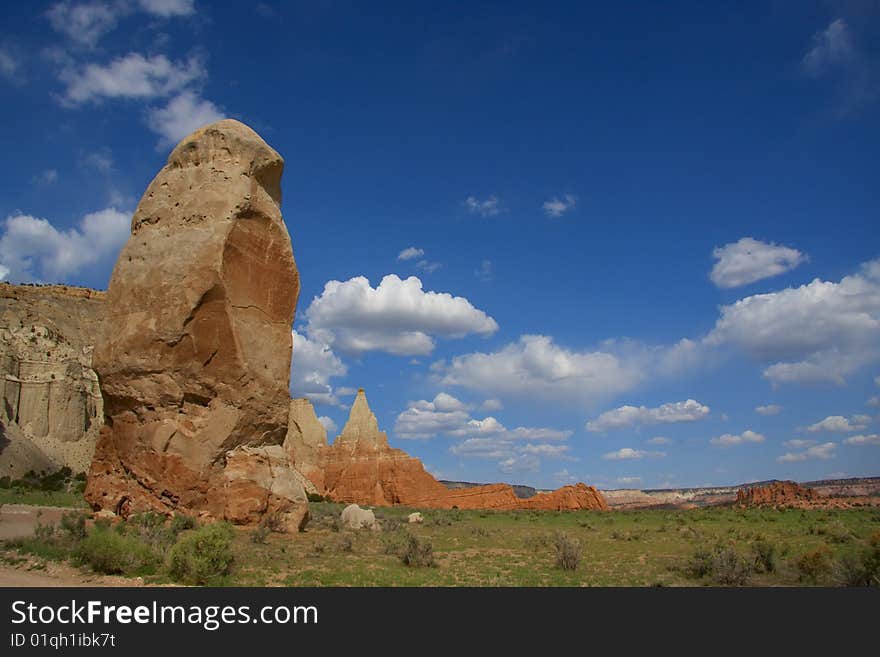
{"x": 194, "y": 360}
{"x": 415, "y": 518}
{"x": 354, "y": 517}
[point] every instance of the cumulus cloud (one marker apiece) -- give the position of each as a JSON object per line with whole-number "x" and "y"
{"x": 821, "y": 331}
{"x": 32, "y": 249}
{"x": 329, "y": 424}
{"x": 312, "y": 366}
{"x": 832, "y": 47}
{"x": 823, "y": 451}
{"x": 130, "y": 76}
{"x": 486, "y": 208}
{"x": 535, "y": 366}
{"x": 874, "y": 402}
{"x": 492, "y": 405}
{"x": 628, "y": 481}
{"x": 9, "y": 66}
{"x": 48, "y": 176}
{"x": 484, "y": 273}
{"x": 168, "y": 8}
{"x": 397, "y": 316}
{"x": 750, "y": 260}
{"x": 629, "y": 416}
{"x": 427, "y": 266}
{"x": 799, "y": 443}
{"x": 556, "y": 207}
{"x": 840, "y": 424}
{"x": 729, "y": 439}
{"x": 519, "y": 463}
{"x": 183, "y": 114}
{"x": 658, "y": 440}
{"x": 85, "y": 23}
{"x": 627, "y": 453}
{"x": 410, "y": 253}
{"x": 862, "y": 439}
{"x": 425, "y": 419}
{"x": 769, "y": 409}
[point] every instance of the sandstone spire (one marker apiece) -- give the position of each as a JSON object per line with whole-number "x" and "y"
{"x": 195, "y": 357}
{"x": 362, "y": 426}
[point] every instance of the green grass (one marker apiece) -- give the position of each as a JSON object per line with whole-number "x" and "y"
{"x": 518, "y": 548}
{"x": 38, "y": 497}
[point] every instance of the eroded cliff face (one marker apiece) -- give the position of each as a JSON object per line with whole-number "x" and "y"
{"x": 194, "y": 360}
{"x": 778, "y": 493}
{"x": 52, "y": 409}
{"x": 360, "y": 467}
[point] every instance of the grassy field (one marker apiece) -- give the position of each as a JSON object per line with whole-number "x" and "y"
{"x": 60, "y": 498}
{"x": 701, "y": 547}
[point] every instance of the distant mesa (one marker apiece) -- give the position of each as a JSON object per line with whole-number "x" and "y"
{"x": 778, "y": 493}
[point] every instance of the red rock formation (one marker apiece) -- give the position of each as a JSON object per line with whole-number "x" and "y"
{"x": 777, "y": 493}
{"x": 360, "y": 467}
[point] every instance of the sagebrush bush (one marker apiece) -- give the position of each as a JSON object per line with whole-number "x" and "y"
{"x": 112, "y": 553}
{"x": 699, "y": 564}
{"x": 203, "y": 556}
{"x": 74, "y": 525}
{"x": 765, "y": 556}
{"x": 729, "y": 568}
{"x": 568, "y": 551}
{"x": 259, "y": 535}
{"x": 181, "y": 522}
{"x": 416, "y": 553}
{"x": 814, "y": 565}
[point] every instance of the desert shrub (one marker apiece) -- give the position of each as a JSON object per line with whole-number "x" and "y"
{"x": 74, "y": 525}
{"x": 111, "y": 553}
{"x": 391, "y": 524}
{"x": 44, "y": 533}
{"x": 699, "y": 564}
{"x": 765, "y": 556}
{"x": 838, "y": 533}
{"x": 568, "y": 551}
{"x": 479, "y": 532}
{"x": 536, "y": 542}
{"x": 314, "y": 497}
{"x": 273, "y": 522}
{"x": 150, "y": 528}
{"x": 416, "y": 553}
{"x": 346, "y": 544}
{"x": 203, "y": 556}
{"x": 814, "y": 565}
{"x": 181, "y": 522}
{"x": 259, "y": 535}
{"x": 6, "y": 482}
{"x": 729, "y": 568}
{"x": 861, "y": 569}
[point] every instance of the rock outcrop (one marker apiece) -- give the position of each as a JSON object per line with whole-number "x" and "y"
{"x": 360, "y": 467}
{"x": 52, "y": 408}
{"x": 777, "y": 493}
{"x": 306, "y": 437}
{"x": 194, "y": 360}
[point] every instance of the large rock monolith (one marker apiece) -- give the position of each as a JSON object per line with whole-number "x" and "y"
{"x": 194, "y": 361}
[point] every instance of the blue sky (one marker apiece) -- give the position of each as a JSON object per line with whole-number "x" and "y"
{"x": 630, "y": 226}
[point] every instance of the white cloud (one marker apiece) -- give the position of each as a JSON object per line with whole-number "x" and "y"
{"x": 101, "y": 160}
{"x": 9, "y": 66}
{"x": 729, "y": 439}
{"x": 519, "y": 464}
{"x": 556, "y": 207}
{"x": 168, "y": 8}
{"x": 832, "y": 47}
{"x": 346, "y": 391}
{"x": 798, "y": 443}
{"x": 48, "y": 177}
{"x": 427, "y": 266}
{"x": 629, "y": 416}
{"x": 329, "y": 424}
{"x": 312, "y": 366}
{"x": 487, "y": 208}
{"x": 769, "y": 409}
{"x": 627, "y": 453}
{"x": 861, "y": 439}
{"x": 658, "y": 440}
{"x": 750, "y": 260}
{"x": 492, "y": 405}
{"x": 535, "y": 366}
{"x": 84, "y": 23}
{"x": 183, "y": 114}
{"x": 874, "y": 402}
{"x": 424, "y": 419}
{"x": 840, "y": 424}
{"x": 628, "y": 481}
{"x": 821, "y": 331}
{"x": 484, "y": 273}
{"x": 130, "y": 76}
{"x": 823, "y": 451}
{"x": 410, "y": 253}
{"x": 32, "y": 249}
{"x": 397, "y": 316}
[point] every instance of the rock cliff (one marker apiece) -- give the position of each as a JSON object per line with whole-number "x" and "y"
{"x": 777, "y": 493}
{"x": 194, "y": 359}
{"x": 52, "y": 408}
